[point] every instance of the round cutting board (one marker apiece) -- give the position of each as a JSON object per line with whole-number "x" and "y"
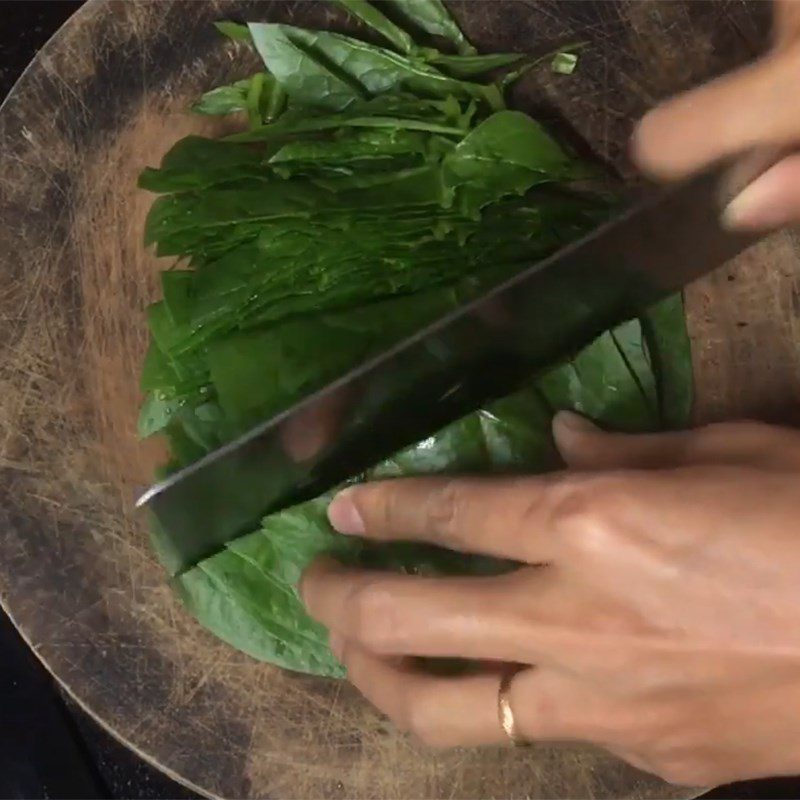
{"x": 106, "y": 97}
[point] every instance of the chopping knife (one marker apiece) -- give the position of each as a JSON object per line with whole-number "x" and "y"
{"x": 480, "y": 352}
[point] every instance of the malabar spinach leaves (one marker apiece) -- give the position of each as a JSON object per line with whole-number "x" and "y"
{"x": 373, "y": 190}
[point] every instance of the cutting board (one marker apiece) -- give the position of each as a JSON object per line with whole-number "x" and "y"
{"x": 106, "y": 97}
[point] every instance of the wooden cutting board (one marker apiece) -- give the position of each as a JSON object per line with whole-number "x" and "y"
{"x": 106, "y": 97}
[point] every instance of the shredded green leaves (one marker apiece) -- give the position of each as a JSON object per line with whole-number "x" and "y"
{"x": 564, "y": 63}
{"x": 373, "y": 188}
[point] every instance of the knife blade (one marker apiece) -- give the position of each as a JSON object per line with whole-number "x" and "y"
{"x": 480, "y": 352}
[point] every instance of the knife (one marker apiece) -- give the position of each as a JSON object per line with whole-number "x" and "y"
{"x": 480, "y": 352}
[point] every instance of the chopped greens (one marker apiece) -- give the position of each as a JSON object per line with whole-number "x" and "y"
{"x": 375, "y": 188}
{"x": 564, "y": 63}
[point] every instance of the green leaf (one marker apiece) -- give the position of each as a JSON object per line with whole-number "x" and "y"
{"x": 359, "y": 151}
{"x": 273, "y": 101}
{"x": 255, "y": 91}
{"x": 176, "y": 287}
{"x": 157, "y": 372}
{"x": 384, "y": 111}
{"x": 669, "y": 349}
{"x": 630, "y": 342}
{"x": 288, "y": 126}
{"x": 563, "y": 55}
{"x": 309, "y": 77}
{"x": 375, "y": 191}
{"x": 233, "y": 30}
{"x": 155, "y": 414}
{"x": 259, "y": 373}
{"x": 195, "y": 163}
{"x": 223, "y": 99}
{"x": 507, "y": 153}
{"x": 432, "y": 17}
{"x": 260, "y": 95}
{"x": 564, "y": 63}
{"x": 319, "y": 69}
{"x": 507, "y": 141}
{"x": 600, "y": 384}
{"x": 369, "y": 14}
{"x": 247, "y": 595}
{"x": 474, "y": 65}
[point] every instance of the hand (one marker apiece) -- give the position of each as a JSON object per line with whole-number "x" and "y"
{"x": 659, "y": 599}
{"x": 754, "y": 109}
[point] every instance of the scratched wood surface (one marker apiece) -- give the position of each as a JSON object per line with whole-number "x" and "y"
{"x": 105, "y": 98}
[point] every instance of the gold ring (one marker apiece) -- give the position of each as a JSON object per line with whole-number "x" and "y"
{"x": 504, "y": 710}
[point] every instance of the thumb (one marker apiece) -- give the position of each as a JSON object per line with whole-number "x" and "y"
{"x": 770, "y": 201}
{"x": 584, "y": 446}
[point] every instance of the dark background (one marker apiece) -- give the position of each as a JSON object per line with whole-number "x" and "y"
{"x": 49, "y": 748}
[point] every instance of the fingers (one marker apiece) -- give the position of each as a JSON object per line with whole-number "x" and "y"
{"x": 726, "y": 117}
{"x": 771, "y": 201}
{"x": 462, "y": 711}
{"x": 441, "y": 712}
{"x": 489, "y": 516}
{"x": 741, "y": 112}
{"x": 534, "y": 614}
{"x": 787, "y": 22}
{"x": 584, "y": 446}
{"x": 390, "y": 614}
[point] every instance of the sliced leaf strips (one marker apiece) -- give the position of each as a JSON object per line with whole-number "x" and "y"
{"x": 374, "y": 189}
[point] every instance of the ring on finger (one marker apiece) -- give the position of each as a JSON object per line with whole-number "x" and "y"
{"x": 504, "y": 711}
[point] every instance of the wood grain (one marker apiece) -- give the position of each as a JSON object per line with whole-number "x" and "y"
{"x": 107, "y": 97}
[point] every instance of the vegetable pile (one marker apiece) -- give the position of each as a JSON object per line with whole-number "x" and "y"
{"x": 374, "y": 189}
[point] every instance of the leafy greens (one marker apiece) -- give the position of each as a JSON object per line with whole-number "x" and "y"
{"x": 374, "y": 189}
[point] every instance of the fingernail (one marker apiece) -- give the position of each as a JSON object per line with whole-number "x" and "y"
{"x": 343, "y": 514}
{"x": 574, "y": 422}
{"x": 757, "y": 207}
{"x": 336, "y": 644}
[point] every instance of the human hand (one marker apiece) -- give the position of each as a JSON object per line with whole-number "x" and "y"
{"x": 658, "y": 599}
{"x": 752, "y": 110}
